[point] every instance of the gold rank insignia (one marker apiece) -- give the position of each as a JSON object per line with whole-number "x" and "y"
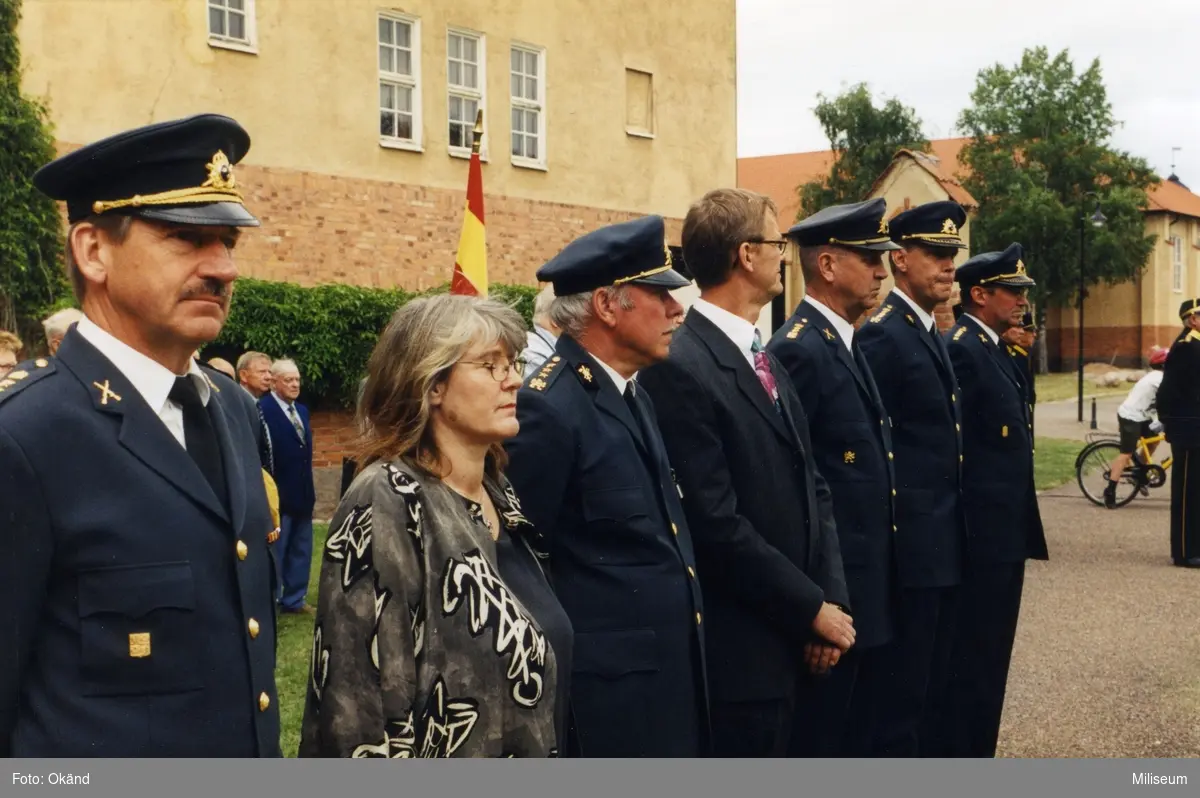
{"x": 910, "y": 319}
{"x": 17, "y": 375}
{"x": 106, "y": 393}
{"x": 537, "y": 384}
{"x": 139, "y": 644}
{"x": 6, "y": 384}
{"x": 848, "y": 457}
{"x": 795, "y": 331}
{"x": 585, "y": 372}
{"x": 983, "y": 338}
{"x": 881, "y": 315}
{"x": 41, "y": 362}
{"x": 959, "y": 333}
{"x": 949, "y": 227}
{"x": 828, "y": 333}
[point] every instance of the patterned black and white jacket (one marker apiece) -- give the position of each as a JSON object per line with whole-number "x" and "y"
{"x": 420, "y": 649}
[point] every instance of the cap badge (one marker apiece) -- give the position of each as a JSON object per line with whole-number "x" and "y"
{"x": 949, "y": 227}
{"x": 667, "y": 250}
{"x": 883, "y": 227}
{"x": 1021, "y": 267}
{"x": 220, "y": 173}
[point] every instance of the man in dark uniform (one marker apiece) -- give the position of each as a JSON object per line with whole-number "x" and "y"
{"x": 1005, "y": 526}
{"x": 1179, "y": 411}
{"x": 1019, "y": 341}
{"x": 851, "y": 442}
{"x": 137, "y": 584}
{"x": 591, "y": 470}
{"x": 759, "y": 511}
{"x": 912, "y": 371}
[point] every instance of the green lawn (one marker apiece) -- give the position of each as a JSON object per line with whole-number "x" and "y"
{"x": 1054, "y": 464}
{"x": 295, "y": 645}
{"x": 1054, "y": 387}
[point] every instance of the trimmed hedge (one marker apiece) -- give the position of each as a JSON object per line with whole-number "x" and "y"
{"x": 329, "y": 330}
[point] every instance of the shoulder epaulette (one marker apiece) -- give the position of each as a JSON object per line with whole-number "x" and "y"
{"x": 542, "y": 379}
{"x": 24, "y": 375}
{"x": 1193, "y": 335}
{"x": 959, "y": 333}
{"x": 882, "y": 314}
{"x": 797, "y": 329}
{"x": 1016, "y": 350}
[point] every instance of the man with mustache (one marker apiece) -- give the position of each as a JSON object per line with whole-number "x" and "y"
{"x": 915, "y": 379}
{"x": 851, "y": 442}
{"x": 138, "y": 582}
{"x": 1004, "y": 524}
{"x": 758, "y": 509}
{"x": 592, "y": 475}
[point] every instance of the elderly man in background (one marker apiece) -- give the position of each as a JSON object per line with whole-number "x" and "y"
{"x": 292, "y": 442}
{"x": 224, "y": 366}
{"x": 544, "y": 335}
{"x": 254, "y": 375}
{"x": 10, "y": 349}
{"x": 57, "y": 324}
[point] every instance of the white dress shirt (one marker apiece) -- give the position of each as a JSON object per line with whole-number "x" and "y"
{"x": 149, "y": 378}
{"x": 927, "y": 321}
{"x": 844, "y": 329}
{"x": 736, "y": 329}
{"x": 995, "y": 336}
{"x": 617, "y": 379}
{"x": 286, "y": 406}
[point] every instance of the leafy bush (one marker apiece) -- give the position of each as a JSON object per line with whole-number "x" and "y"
{"x": 329, "y": 330}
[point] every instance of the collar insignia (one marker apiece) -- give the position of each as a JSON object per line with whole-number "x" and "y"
{"x": 106, "y": 393}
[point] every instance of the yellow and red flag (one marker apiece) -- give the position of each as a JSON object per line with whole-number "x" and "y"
{"x": 470, "y": 267}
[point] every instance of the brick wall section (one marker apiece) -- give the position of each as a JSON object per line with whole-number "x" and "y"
{"x": 333, "y": 434}
{"x": 1126, "y": 347}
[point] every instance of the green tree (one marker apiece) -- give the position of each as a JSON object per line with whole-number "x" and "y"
{"x": 1040, "y": 141}
{"x": 31, "y": 241}
{"x": 864, "y": 139}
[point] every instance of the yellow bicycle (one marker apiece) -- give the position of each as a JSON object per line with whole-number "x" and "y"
{"x": 1094, "y": 463}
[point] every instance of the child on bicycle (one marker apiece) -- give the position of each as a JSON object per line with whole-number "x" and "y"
{"x": 1135, "y": 420}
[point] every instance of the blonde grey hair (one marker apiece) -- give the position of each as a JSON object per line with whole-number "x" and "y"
{"x": 284, "y": 365}
{"x": 248, "y": 358}
{"x": 541, "y": 305}
{"x": 57, "y": 324}
{"x": 573, "y": 313}
{"x": 416, "y": 351}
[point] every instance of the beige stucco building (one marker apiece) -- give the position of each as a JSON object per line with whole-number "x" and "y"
{"x": 361, "y": 116}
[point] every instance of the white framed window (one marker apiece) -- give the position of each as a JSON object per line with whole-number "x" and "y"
{"x": 466, "y": 80}
{"x": 231, "y": 24}
{"x": 399, "y": 45}
{"x": 527, "y": 91}
{"x": 1177, "y": 264}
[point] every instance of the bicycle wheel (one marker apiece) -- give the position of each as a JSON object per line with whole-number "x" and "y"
{"x": 1094, "y": 463}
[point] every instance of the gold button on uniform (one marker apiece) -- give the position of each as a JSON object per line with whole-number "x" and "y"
{"x": 242, "y": 550}
{"x": 691, "y": 572}
{"x": 675, "y": 530}
{"x": 957, "y": 428}
{"x": 893, "y": 491}
{"x": 891, "y": 456}
{"x": 697, "y": 619}
{"x": 253, "y": 627}
{"x": 264, "y": 701}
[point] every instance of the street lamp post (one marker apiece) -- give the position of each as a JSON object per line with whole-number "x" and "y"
{"x": 1097, "y": 219}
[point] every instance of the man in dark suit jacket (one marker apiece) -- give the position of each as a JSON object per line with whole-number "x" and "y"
{"x": 136, "y": 578}
{"x": 1179, "y": 408}
{"x": 757, "y": 506}
{"x": 851, "y": 441}
{"x": 999, "y": 496}
{"x": 916, "y": 382}
{"x": 590, "y": 469}
{"x": 292, "y": 447}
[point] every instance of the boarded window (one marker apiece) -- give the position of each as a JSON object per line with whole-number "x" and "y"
{"x": 639, "y": 103}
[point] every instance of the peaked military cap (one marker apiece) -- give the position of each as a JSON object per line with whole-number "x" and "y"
{"x": 995, "y": 268}
{"x": 859, "y": 226}
{"x": 1189, "y": 307}
{"x": 179, "y": 171}
{"x": 934, "y": 224}
{"x": 629, "y": 252}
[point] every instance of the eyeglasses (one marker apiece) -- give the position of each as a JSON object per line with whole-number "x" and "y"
{"x": 780, "y": 243}
{"x": 499, "y": 370}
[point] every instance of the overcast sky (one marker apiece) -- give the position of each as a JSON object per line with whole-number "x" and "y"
{"x": 927, "y": 55}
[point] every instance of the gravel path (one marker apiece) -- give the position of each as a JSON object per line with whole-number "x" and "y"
{"x": 1107, "y": 657}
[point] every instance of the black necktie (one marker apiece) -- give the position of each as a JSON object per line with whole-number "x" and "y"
{"x": 267, "y": 451}
{"x": 200, "y": 437}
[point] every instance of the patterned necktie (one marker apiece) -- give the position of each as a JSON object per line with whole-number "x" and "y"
{"x": 299, "y": 427}
{"x": 762, "y": 367}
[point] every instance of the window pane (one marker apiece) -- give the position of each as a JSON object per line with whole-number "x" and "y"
{"x": 531, "y": 64}
{"x": 531, "y": 89}
{"x": 404, "y": 126}
{"x": 216, "y": 21}
{"x": 454, "y": 45}
{"x": 471, "y": 76}
{"x": 515, "y": 60}
{"x": 470, "y": 108}
{"x": 404, "y": 62}
{"x": 237, "y": 25}
{"x": 518, "y": 119}
{"x": 517, "y": 138}
{"x": 404, "y": 34}
{"x": 385, "y": 31}
{"x": 238, "y": 4}
{"x": 514, "y": 85}
{"x": 469, "y": 50}
{"x": 217, "y": 3}
{"x": 387, "y": 95}
{"x": 404, "y": 99}
{"x": 456, "y": 109}
{"x": 387, "y": 55}
{"x": 531, "y": 147}
{"x": 387, "y": 123}
{"x": 455, "y": 73}
{"x": 456, "y": 135}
